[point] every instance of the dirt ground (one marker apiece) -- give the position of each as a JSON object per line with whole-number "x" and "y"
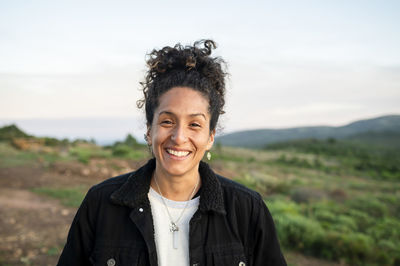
{"x": 33, "y": 228}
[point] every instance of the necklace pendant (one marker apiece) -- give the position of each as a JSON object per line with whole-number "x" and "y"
{"x": 173, "y": 227}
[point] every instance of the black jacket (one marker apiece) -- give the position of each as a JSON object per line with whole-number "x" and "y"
{"x": 114, "y": 225}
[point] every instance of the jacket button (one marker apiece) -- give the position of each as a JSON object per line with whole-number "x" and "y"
{"x": 111, "y": 262}
{"x": 242, "y": 263}
{"x": 141, "y": 209}
{"x": 196, "y": 264}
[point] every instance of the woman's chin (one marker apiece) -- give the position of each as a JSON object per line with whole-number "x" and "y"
{"x": 177, "y": 167}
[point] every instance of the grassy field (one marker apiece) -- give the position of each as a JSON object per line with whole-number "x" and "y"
{"x": 322, "y": 204}
{"x": 339, "y": 214}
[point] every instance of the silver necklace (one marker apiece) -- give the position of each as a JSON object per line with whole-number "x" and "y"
{"x": 174, "y": 224}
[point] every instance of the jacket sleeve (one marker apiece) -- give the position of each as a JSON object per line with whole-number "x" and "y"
{"x": 79, "y": 244}
{"x": 266, "y": 249}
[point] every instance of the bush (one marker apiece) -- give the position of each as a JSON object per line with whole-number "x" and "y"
{"x": 52, "y": 142}
{"x": 385, "y": 229}
{"x": 307, "y": 194}
{"x": 121, "y": 150}
{"x": 369, "y": 205}
{"x": 355, "y": 248}
{"x": 70, "y": 197}
{"x": 297, "y": 232}
{"x": 389, "y": 252}
{"x": 127, "y": 152}
{"x": 332, "y": 232}
{"x": 362, "y": 219}
{"x": 85, "y": 153}
{"x": 284, "y": 206}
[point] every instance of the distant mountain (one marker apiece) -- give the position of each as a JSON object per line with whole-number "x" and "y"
{"x": 364, "y": 129}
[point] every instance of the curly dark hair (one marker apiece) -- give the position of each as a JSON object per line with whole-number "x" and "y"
{"x": 185, "y": 66}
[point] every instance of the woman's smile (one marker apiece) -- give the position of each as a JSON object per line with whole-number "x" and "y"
{"x": 177, "y": 153}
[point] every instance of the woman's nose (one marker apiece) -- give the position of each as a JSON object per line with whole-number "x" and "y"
{"x": 179, "y": 135}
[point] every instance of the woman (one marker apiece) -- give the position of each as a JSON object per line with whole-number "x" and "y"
{"x": 175, "y": 210}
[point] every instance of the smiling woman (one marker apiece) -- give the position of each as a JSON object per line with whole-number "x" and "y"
{"x": 175, "y": 210}
{"x": 179, "y": 137}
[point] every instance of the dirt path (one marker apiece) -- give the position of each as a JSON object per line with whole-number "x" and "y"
{"x": 32, "y": 228}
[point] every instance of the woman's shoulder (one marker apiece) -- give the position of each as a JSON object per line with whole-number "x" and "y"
{"x": 106, "y": 187}
{"x": 232, "y": 188}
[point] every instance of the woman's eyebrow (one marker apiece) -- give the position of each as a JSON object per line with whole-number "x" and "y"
{"x": 191, "y": 115}
{"x": 165, "y": 112}
{"x": 198, "y": 114}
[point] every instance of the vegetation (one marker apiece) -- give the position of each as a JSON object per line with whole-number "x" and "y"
{"x": 70, "y": 197}
{"x": 322, "y": 206}
{"x": 332, "y": 199}
{"x": 375, "y": 161}
{"x": 29, "y": 150}
{"x": 12, "y": 131}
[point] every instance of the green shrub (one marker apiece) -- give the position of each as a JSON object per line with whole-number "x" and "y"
{"x": 387, "y": 228}
{"x": 247, "y": 181}
{"x": 278, "y": 207}
{"x": 128, "y": 152}
{"x": 51, "y": 141}
{"x": 306, "y": 194}
{"x": 11, "y": 157}
{"x": 369, "y": 205}
{"x": 328, "y": 230}
{"x": 85, "y": 153}
{"x": 355, "y": 248}
{"x": 121, "y": 150}
{"x": 297, "y": 232}
{"x": 344, "y": 224}
{"x": 70, "y": 197}
{"x": 362, "y": 219}
{"x": 392, "y": 203}
{"x": 389, "y": 252}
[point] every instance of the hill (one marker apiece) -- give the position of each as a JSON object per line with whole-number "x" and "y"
{"x": 12, "y": 131}
{"x": 368, "y": 129}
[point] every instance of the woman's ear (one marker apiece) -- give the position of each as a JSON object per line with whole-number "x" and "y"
{"x": 148, "y": 136}
{"x": 211, "y": 140}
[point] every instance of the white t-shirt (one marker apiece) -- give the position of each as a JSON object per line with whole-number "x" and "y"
{"x": 166, "y": 253}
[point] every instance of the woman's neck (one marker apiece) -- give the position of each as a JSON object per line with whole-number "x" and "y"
{"x": 177, "y": 188}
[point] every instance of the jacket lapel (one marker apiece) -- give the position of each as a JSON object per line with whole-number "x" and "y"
{"x": 133, "y": 193}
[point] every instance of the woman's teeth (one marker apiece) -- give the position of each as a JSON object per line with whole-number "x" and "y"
{"x": 178, "y": 153}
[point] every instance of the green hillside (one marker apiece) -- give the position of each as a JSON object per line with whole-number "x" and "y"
{"x": 374, "y": 160}
{"x": 7, "y": 133}
{"x": 365, "y": 129}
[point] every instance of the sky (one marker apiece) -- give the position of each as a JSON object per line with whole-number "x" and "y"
{"x": 72, "y": 68}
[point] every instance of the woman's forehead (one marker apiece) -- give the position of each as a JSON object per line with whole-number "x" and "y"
{"x": 183, "y": 100}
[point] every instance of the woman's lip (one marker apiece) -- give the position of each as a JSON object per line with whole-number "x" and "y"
{"x": 176, "y": 149}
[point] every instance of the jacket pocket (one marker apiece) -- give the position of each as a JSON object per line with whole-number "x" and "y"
{"x": 118, "y": 255}
{"x": 231, "y": 254}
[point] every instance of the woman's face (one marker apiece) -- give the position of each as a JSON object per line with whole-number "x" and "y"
{"x": 180, "y": 133}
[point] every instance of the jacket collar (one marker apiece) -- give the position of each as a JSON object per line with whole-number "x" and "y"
{"x": 133, "y": 193}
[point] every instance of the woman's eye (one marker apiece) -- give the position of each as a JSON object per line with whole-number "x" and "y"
{"x": 166, "y": 122}
{"x": 195, "y": 125}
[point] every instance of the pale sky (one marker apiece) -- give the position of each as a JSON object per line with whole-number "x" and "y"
{"x": 291, "y": 63}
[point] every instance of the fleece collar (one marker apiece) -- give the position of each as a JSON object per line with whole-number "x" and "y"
{"x": 133, "y": 193}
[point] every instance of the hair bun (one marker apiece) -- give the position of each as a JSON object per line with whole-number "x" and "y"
{"x": 190, "y": 66}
